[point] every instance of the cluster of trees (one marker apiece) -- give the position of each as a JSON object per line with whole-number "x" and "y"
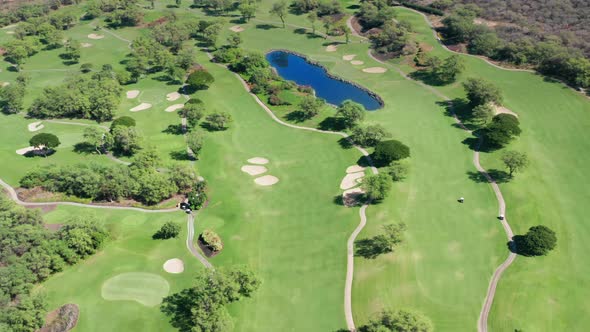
{"x": 202, "y": 307}
{"x": 550, "y": 54}
{"x": 400, "y": 320}
{"x": 30, "y": 254}
{"x": 141, "y": 180}
{"x": 439, "y": 71}
{"x": 12, "y": 96}
{"x": 82, "y": 96}
{"x": 394, "y": 38}
{"x": 118, "y": 13}
{"x": 26, "y": 12}
{"x": 319, "y": 7}
{"x": 374, "y": 14}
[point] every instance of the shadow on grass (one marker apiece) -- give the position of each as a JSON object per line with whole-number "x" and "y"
{"x": 427, "y": 77}
{"x": 517, "y": 246}
{"x": 498, "y": 175}
{"x": 84, "y": 148}
{"x": 181, "y": 155}
{"x": 345, "y": 143}
{"x": 265, "y": 26}
{"x": 332, "y": 123}
{"x": 173, "y": 129}
{"x": 371, "y": 248}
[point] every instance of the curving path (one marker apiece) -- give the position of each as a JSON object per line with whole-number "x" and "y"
{"x": 190, "y": 245}
{"x": 489, "y": 299}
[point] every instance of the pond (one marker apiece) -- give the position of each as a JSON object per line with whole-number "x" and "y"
{"x": 296, "y": 68}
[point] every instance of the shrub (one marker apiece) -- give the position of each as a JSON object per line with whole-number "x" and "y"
{"x": 376, "y": 187}
{"x": 126, "y": 121}
{"x": 370, "y": 135}
{"x": 200, "y": 79}
{"x": 388, "y": 151}
{"x": 275, "y": 100}
{"x": 212, "y": 240}
{"x": 169, "y": 230}
{"x": 86, "y": 67}
{"x": 502, "y": 129}
{"x": 538, "y": 241}
{"x": 45, "y": 142}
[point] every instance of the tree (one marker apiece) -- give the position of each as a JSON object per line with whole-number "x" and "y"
{"x": 538, "y": 241}
{"x": 399, "y": 321}
{"x": 194, "y": 140}
{"x": 313, "y": 18}
{"x": 247, "y": 9}
{"x": 212, "y": 240}
{"x": 280, "y": 9}
{"x": 397, "y": 170}
{"x": 480, "y": 92}
{"x": 393, "y": 234}
{"x": 12, "y": 98}
{"x": 193, "y": 112}
{"x": 502, "y": 129}
{"x": 167, "y": 231}
{"x": 515, "y": 161}
{"x": 376, "y": 187}
{"x": 219, "y": 121}
{"x": 388, "y": 151}
{"x": 483, "y": 114}
{"x": 234, "y": 39}
{"x": 448, "y": 70}
{"x": 211, "y": 33}
{"x": 178, "y": 3}
{"x": 95, "y": 137}
{"x": 370, "y": 135}
{"x": 352, "y": 113}
{"x": 45, "y": 142}
{"x": 310, "y": 106}
{"x": 126, "y": 140}
{"x": 73, "y": 50}
{"x": 125, "y": 121}
{"x": 200, "y": 80}
{"x": 198, "y": 197}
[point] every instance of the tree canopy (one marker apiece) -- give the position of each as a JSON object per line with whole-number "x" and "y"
{"x": 480, "y": 92}
{"x": 376, "y": 187}
{"x": 45, "y": 142}
{"x": 168, "y": 231}
{"x": 503, "y": 129}
{"x": 200, "y": 80}
{"x": 351, "y": 113}
{"x": 515, "y": 161}
{"x": 538, "y": 241}
{"x": 399, "y": 321}
{"x": 389, "y": 151}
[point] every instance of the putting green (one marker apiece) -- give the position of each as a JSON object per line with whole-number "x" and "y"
{"x": 145, "y": 288}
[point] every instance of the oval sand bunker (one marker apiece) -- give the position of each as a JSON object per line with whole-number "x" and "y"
{"x": 174, "y": 107}
{"x": 132, "y": 94}
{"x": 253, "y": 170}
{"x": 375, "y": 70}
{"x": 267, "y": 180}
{"x": 172, "y": 96}
{"x": 141, "y": 107}
{"x": 95, "y": 36}
{"x": 174, "y": 265}
{"x": 35, "y": 126}
{"x": 258, "y": 161}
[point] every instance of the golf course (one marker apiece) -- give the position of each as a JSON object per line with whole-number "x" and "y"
{"x": 275, "y": 181}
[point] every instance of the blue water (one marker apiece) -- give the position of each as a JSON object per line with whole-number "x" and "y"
{"x": 295, "y": 68}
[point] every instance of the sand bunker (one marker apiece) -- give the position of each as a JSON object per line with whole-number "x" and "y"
{"x": 86, "y": 45}
{"x": 348, "y": 57}
{"x": 351, "y": 197}
{"x": 253, "y": 170}
{"x": 172, "y": 96}
{"x": 95, "y": 36}
{"x": 174, "y": 265}
{"x": 237, "y": 28}
{"x": 375, "y": 70}
{"x": 5, "y": 84}
{"x": 351, "y": 180}
{"x": 331, "y": 48}
{"x": 132, "y": 94}
{"x": 35, "y": 126}
{"x": 174, "y": 107}
{"x": 354, "y": 169}
{"x": 141, "y": 107}
{"x": 266, "y": 180}
{"x": 258, "y": 161}
{"x": 24, "y": 151}
{"x": 357, "y": 62}
{"x": 10, "y": 32}
{"x": 502, "y": 109}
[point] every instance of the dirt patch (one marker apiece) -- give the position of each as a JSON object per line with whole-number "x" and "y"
{"x": 253, "y": 170}
{"x": 174, "y": 107}
{"x": 266, "y": 180}
{"x": 503, "y": 110}
{"x": 258, "y": 161}
{"x": 355, "y": 169}
{"x": 331, "y": 48}
{"x": 352, "y": 197}
{"x": 357, "y": 62}
{"x": 174, "y": 265}
{"x": 375, "y": 70}
{"x": 237, "y": 28}
{"x": 141, "y": 107}
{"x": 351, "y": 180}
{"x": 172, "y": 96}
{"x": 35, "y": 126}
{"x": 132, "y": 94}
{"x": 95, "y": 36}
{"x": 62, "y": 319}
{"x": 348, "y": 57}
{"x": 86, "y": 45}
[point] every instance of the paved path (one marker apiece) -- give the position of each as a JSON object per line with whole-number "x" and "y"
{"x": 190, "y": 244}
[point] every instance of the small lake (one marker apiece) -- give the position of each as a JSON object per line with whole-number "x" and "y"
{"x": 296, "y": 68}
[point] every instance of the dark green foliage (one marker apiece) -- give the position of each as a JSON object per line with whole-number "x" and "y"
{"x": 446, "y": 71}
{"x": 202, "y": 307}
{"x": 310, "y": 106}
{"x": 125, "y": 140}
{"x": 538, "y": 241}
{"x": 193, "y": 112}
{"x": 376, "y": 187}
{"x": 399, "y": 321}
{"x": 370, "y": 135}
{"x": 168, "y": 231}
{"x": 425, "y": 9}
{"x": 397, "y": 170}
{"x": 44, "y": 142}
{"x": 219, "y": 121}
{"x": 280, "y": 9}
{"x": 351, "y": 113}
{"x": 125, "y": 121}
{"x": 389, "y": 151}
{"x": 374, "y": 14}
{"x": 194, "y": 140}
{"x": 502, "y": 129}
{"x": 200, "y": 79}
{"x": 481, "y": 92}
{"x": 198, "y": 197}
{"x": 12, "y": 96}
{"x": 392, "y": 38}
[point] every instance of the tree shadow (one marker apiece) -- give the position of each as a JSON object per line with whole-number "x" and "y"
{"x": 265, "y": 26}
{"x": 300, "y": 31}
{"x": 353, "y": 7}
{"x": 174, "y": 129}
{"x": 497, "y": 175}
{"x": 338, "y": 200}
{"x": 371, "y": 248}
{"x": 295, "y": 116}
{"x": 70, "y": 62}
{"x": 518, "y": 247}
{"x": 332, "y": 123}
{"x": 181, "y": 155}
{"x": 427, "y": 77}
{"x": 363, "y": 161}
{"x": 84, "y": 148}
{"x": 345, "y": 143}
{"x": 39, "y": 153}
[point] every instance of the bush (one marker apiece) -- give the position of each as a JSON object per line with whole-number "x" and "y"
{"x": 538, "y": 241}
{"x": 376, "y": 187}
{"x": 219, "y": 121}
{"x": 276, "y": 100}
{"x": 212, "y": 240}
{"x": 200, "y": 79}
{"x": 198, "y": 197}
{"x": 370, "y": 135}
{"x": 169, "y": 230}
{"x": 45, "y": 142}
{"x": 425, "y": 9}
{"x": 86, "y": 67}
{"x": 389, "y": 151}
{"x": 125, "y": 121}
{"x": 502, "y": 129}
{"x": 398, "y": 171}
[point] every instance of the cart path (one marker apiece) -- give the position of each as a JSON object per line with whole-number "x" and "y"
{"x": 190, "y": 244}
{"x": 489, "y": 298}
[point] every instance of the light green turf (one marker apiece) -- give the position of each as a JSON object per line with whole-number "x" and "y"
{"x": 145, "y": 288}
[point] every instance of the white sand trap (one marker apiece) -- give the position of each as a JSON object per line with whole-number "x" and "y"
{"x": 141, "y": 107}
{"x": 355, "y": 169}
{"x": 174, "y": 107}
{"x": 174, "y": 265}
{"x": 348, "y": 57}
{"x": 357, "y": 62}
{"x": 35, "y": 126}
{"x": 24, "y": 151}
{"x": 5, "y": 84}
{"x": 266, "y": 180}
{"x": 10, "y": 32}
{"x": 132, "y": 94}
{"x": 350, "y": 180}
{"x": 331, "y": 48}
{"x": 85, "y": 45}
{"x": 172, "y": 96}
{"x": 237, "y": 28}
{"x": 375, "y": 70}
{"x": 504, "y": 110}
{"x": 254, "y": 170}
{"x": 95, "y": 36}
{"x": 352, "y": 196}
{"x": 258, "y": 161}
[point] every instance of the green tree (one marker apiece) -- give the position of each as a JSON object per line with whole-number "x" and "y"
{"x": 95, "y": 137}
{"x": 193, "y": 112}
{"x": 480, "y": 92}
{"x": 538, "y": 241}
{"x": 126, "y": 140}
{"x": 399, "y": 321}
{"x": 45, "y": 142}
{"x": 211, "y": 34}
{"x": 219, "y": 121}
{"x": 247, "y": 9}
{"x": 483, "y": 114}
{"x": 310, "y": 106}
{"x": 200, "y": 80}
{"x": 280, "y": 9}
{"x": 312, "y": 17}
{"x": 184, "y": 176}
{"x": 376, "y": 187}
{"x": 73, "y": 50}
{"x": 12, "y": 97}
{"x": 515, "y": 161}
{"x": 397, "y": 170}
{"x": 448, "y": 70}
{"x": 125, "y": 121}
{"x": 212, "y": 240}
{"x": 234, "y": 39}
{"x": 389, "y": 151}
{"x": 370, "y": 135}
{"x": 351, "y": 113}
{"x": 168, "y": 231}
{"x": 502, "y": 129}
{"x": 194, "y": 140}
